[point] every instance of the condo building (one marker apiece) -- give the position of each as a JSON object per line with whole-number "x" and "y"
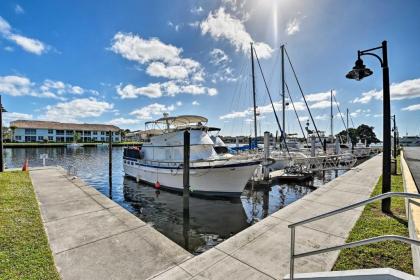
{"x": 46, "y": 131}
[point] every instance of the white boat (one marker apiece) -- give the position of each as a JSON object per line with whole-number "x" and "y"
{"x": 160, "y": 161}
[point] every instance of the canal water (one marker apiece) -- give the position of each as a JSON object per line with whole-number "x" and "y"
{"x": 211, "y": 220}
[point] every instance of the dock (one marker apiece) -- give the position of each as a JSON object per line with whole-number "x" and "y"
{"x": 262, "y": 250}
{"x": 92, "y": 237}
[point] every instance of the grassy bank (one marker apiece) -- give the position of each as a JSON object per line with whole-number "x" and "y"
{"x": 373, "y": 223}
{"x": 24, "y": 249}
{"x": 53, "y": 144}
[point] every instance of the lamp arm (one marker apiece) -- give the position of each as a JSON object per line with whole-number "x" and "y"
{"x": 373, "y": 54}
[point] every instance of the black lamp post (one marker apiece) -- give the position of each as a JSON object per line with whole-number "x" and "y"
{"x": 394, "y": 129}
{"x": 1, "y": 136}
{"x": 359, "y": 72}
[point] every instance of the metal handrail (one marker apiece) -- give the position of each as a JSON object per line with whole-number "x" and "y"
{"x": 351, "y": 244}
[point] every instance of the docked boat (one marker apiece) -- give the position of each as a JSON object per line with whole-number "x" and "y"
{"x": 410, "y": 141}
{"x": 160, "y": 161}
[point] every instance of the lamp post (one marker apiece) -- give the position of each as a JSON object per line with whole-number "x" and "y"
{"x": 1, "y": 136}
{"x": 359, "y": 72}
{"x": 394, "y": 129}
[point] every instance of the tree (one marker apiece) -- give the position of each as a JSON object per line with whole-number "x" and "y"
{"x": 365, "y": 133}
{"x": 362, "y": 133}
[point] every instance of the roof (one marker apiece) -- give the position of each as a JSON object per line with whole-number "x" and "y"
{"x": 62, "y": 126}
{"x": 180, "y": 120}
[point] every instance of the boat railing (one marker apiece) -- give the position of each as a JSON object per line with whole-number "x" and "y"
{"x": 293, "y": 226}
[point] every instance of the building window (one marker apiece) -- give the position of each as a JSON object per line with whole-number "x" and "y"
{"x": 30, "y": 131}
{"x": 59, "y": 132}
{"x": 102, "y": 138}
{"x": 102, "y": 133}
{"x": 50, "y": 138}
{"x": 18, "y": 137}
{"x": 40, "y": 138}
{"x": 30, "y": 138}
{"x": 50, "y": 131}
{"x": 87, "y": 133}
{"x": 95, "y": 133}
{"x": 69, "y": 132}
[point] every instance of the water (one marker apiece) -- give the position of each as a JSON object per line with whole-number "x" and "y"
{"x": 211, "y": 220}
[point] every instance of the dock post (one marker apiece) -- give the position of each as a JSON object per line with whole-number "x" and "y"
{"x": 110, "y": 163}
{"x": 337, "y": 146}
{"x": 186, "y": 177}
{"x": 266, "y": 154}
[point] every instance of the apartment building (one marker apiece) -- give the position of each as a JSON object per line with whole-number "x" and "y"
{"x": 46, "y": 131}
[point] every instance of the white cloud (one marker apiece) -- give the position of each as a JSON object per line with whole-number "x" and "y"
{"x": 178, "y": 103}
{"x": 22, "y": 86}
{"x": 235, "y": 115}
{"x": 218, "y": 56}
{"x": 212, "y": 91}
{"x": 195, "y": 103}
{"x": 314, "y": 97}
{"x": 19, "y": 10}
{"x": 266, "y": 109}
{"x": 151, "y": 110}
{"x": 197, "y": 10}
{"x": 414, "y": 107}
{"x": 221, "y": 25}
{"x": 293, "y": 26}
{"x": 28, "y": 44}
{"x": 176, "y": 27}
{"x": 12, "y": 116}
{"x": 194, "y": 24}
{"x": 8, "y": 49}
{"x": 404, "y": 90}
{"x": 131, "y": 91}
{"x": 76, "y": 109}
{"x": 15, "y": 85}
{"x": 123, "y": 121}
{"x": 158, "y": 69}
{"x": 360, "y": 112}
{"x": 135, "y": 48}
{"x": 321, "y": 104}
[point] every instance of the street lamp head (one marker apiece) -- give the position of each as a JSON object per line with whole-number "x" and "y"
{"x": 359, "y": 71}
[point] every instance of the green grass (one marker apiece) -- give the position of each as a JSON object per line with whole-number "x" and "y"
{"x": 373, "y": 223}
{"x": 24, "y": 249}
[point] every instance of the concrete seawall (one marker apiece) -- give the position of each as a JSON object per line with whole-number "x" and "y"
{"x": 92, "y": 237}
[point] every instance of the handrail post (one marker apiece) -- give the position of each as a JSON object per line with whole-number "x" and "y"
{"x": 292, "y": 253}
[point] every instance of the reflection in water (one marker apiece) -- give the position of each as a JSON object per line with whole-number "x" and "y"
{"x": 208, "y": 222}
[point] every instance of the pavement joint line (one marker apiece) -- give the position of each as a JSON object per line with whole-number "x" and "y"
{"x": 75, "y": 215}
{"x": 243, "y": 262}
{"x": 167, "y": 270}
{"x": 99, "y": 239}
{"x": 309, "y": 227}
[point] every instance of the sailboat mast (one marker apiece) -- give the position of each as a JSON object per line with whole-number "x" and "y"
{"x": 254, "y": 96}
{"x": 332, "y": 117}
{"x": 283, "y": 93}
{"x": 347, "y": 126}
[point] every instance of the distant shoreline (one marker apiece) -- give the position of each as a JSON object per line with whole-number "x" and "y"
{"x": 52, "y": 145}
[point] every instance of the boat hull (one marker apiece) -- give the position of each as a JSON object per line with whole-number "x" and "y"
{"x": 227, "y": 180}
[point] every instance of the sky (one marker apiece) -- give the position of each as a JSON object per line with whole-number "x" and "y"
{"x": 128, "y": 62}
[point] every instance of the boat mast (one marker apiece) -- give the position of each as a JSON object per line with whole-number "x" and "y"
{"x": 347, "y": 126}
{"x": 254, "y": 95}
{"x": 283, "y": 93}
{"x": 332, "y": 117}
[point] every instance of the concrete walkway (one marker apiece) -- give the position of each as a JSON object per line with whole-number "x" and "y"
{"x": 262, "y": 250}
{"x": 92, "y": 237}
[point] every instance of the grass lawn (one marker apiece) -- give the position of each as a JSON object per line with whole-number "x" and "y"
{"x": 373, "y": 223}
{"x": 24, "y": 249}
